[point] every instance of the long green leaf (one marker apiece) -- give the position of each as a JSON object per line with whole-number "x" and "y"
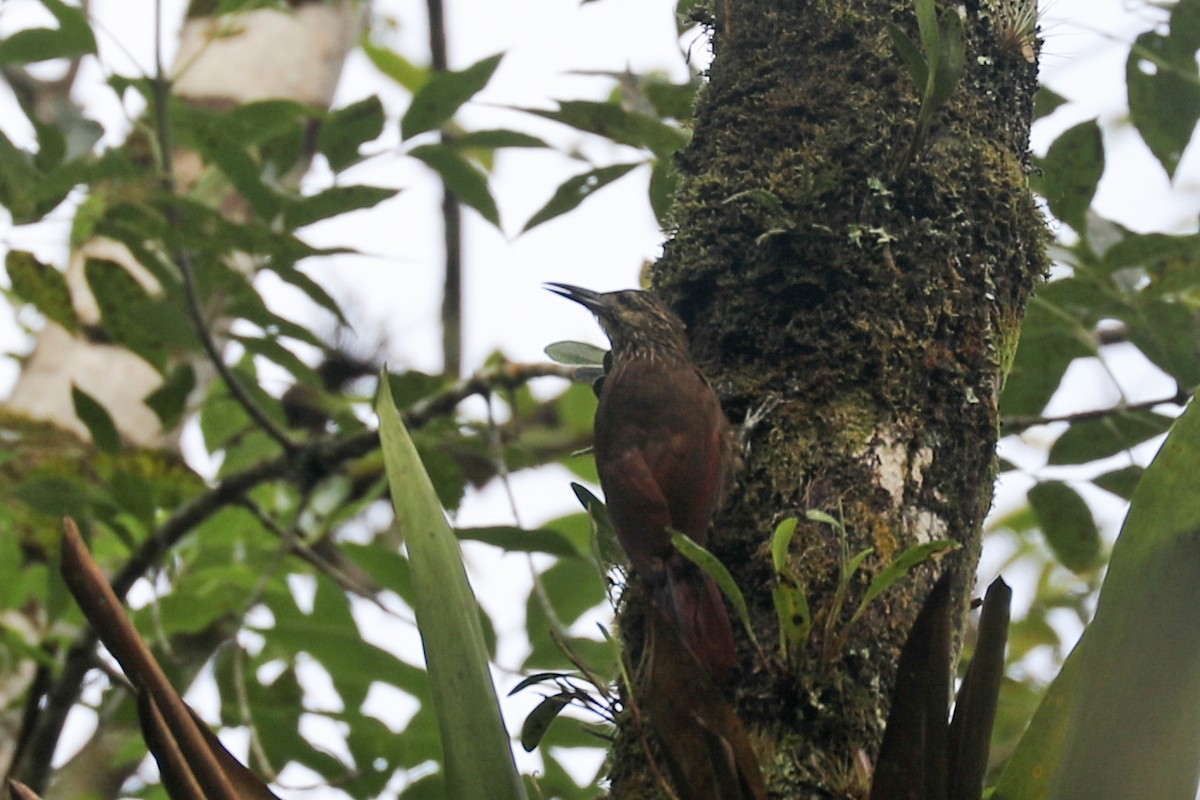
{"x": 1122, "y": 719}
{"x": 478, "y": 759}
{"x": 917, "y": 554}
{"x": 791, "y": 604}
{"x": 1071, "y": 171}
{"x": 461, "y": 177}
{"x": 575, "y": 190}
{"x": 712, "y": 567}
{"x": 435, "y": 102}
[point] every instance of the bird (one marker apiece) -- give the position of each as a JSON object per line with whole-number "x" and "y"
{"x": 665, "y": 455}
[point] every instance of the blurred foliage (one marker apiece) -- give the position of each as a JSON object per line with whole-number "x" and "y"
{"x": 271, "y": 585}
{"x": 1115, "y": 295}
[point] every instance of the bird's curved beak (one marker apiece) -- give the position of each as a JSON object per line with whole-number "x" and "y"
{"x": 593, "y": 301}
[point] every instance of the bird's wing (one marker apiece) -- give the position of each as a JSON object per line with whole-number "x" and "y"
{"x": 638, "y": 510}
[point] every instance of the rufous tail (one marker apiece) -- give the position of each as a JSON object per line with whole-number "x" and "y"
{"x": 692, "y": 598}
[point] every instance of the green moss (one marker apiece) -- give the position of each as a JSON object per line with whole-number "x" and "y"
{"x": 866, "y": 296}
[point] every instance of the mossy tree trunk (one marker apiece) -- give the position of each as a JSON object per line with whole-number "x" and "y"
{"x": 864, "y": 305}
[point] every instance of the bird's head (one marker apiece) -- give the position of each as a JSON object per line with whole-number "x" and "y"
{"x": 637, "y": 322}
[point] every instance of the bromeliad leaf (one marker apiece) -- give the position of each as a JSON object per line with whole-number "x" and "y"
{"x": 472, "y": 730}
{"x": 712, "y": 567}
{"x": 917, "y": 554}
{"x": 791, "y": 603}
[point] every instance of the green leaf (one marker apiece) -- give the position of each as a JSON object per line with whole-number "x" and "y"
{"x": 910, "y": 54}
{"x": 43, "y": 287}
{"x": 412, "y": 386}
{"x": 712, "y": 567}
{"x": 1067, "y": 523}
{"x": 672, "y": 100}
{"x": 575, "y": 190}
{"x": 395, "y": 66}
{"x": 94, "y": 416}
{"x": 565, "y": 592}
{"x": 213, "y": 137}
{"x": 1164, "y": 85}
{"x": 927, "y": 25}
{"x": 464, "y": 180}
{"x": 435, "y": 102}
{"x": 576, "y": 354}
{"x": 347, "y": 129}
{"x": 791, "y": 603}
{"x": 1121, "y": 482}
{"x": 664, "y": 181}
{"x": 538, "y": 721}
{"x": 72, "y": 39}
{"x": 816, "y": 515}
{"x": 1051, "y": 338}
{"x": 494, "y": 139}
{"x": 519, "y": 540}
{"x": 1091, "y": 440}
{"x": 18, "y": 180}
{"x": 781, "y": 541}
{"x": 445, "y": 470}
{"x": 613, "y": 122}
{"x": 606, "y": 546}
{"x": 1046, "y": 101}
{"x": 270, "y": 349}
{"x": 294, "y": 276}
{"x": 1164, "y": 330}
{"x": 221, "y": 418}
{"x": 1070, "y": 172}
{"x": 952, "y": 59}
{"x": 1120, "y": 720}
{"x": 333, "y": 201}
{"x": 478, "y": 761}
{"x": 898, "y": 568}
{"x": 130, "y": 315}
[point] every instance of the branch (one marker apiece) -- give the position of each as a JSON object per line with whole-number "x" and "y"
{"x": 61, "y": 695}
{"x": 183, "y": 262}
{"x": 1012, "y": 425}
{"x": 451, "y": 218}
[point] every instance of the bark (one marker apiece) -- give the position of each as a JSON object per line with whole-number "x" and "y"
{"x": 863, "y": 306}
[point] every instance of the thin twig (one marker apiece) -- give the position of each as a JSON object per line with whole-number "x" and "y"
{"x": 451, "y": 218}
{"x": 183, "y": 260}
{"x": 61, "y": 695}
{"x": 1011, "y": 425}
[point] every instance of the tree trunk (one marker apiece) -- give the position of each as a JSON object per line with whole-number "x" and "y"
{"x": 860, "y": 296}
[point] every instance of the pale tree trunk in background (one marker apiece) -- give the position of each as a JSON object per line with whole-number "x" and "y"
{"x": 297, "y": 56}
